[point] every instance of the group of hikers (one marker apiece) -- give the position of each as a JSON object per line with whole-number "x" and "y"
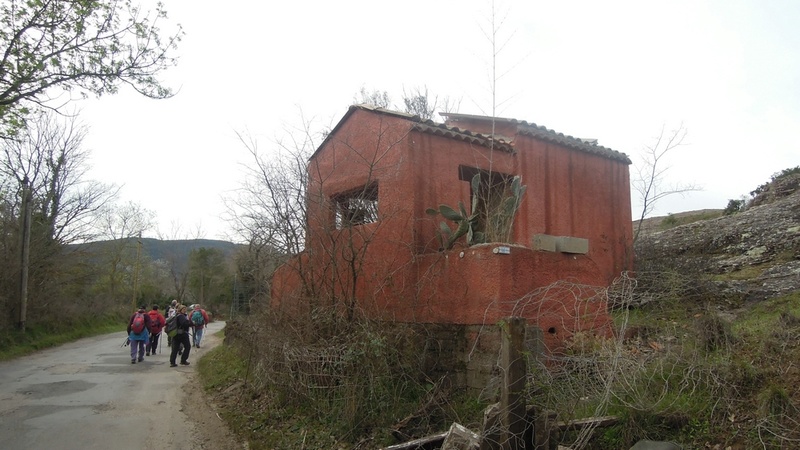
{"x": 145, "y": 329}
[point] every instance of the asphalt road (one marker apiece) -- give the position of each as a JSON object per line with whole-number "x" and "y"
{"x": 87, "y": 395}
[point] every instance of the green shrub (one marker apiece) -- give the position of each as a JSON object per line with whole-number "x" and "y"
{"x": 774, "y": 402}
{"x": 669, "y": 221}
{"x": 776, "y": 176}
{"x": 734, "y": 206}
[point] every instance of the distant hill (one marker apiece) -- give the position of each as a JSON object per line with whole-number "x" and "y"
{"x": 176, "y": 251}
{"x": 158, "y": 249}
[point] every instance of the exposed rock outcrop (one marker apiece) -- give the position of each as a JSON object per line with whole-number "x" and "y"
{"x": 751, "y": 255}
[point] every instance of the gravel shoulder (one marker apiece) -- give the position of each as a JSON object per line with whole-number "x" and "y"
{"x": 212, "y": 432}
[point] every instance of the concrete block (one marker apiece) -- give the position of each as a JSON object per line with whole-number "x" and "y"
{"x": 461, "y": 438}
{"x": 567, "y": 244}
{"x": 544, "y": 242}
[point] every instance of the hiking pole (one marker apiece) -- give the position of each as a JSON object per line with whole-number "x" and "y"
{"x": 125, "y": 342}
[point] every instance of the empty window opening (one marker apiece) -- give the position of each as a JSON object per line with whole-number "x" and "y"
{"x": 356, "y": 207}
{"x": 490, "y": 202}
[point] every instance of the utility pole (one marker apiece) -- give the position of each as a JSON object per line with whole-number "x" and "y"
{"x": 26, "y": 251}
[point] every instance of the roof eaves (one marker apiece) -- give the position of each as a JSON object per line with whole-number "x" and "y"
{"x": 588, "y": 146}
{"x": 543, "y": 133}
{"x": 463, "y": 135}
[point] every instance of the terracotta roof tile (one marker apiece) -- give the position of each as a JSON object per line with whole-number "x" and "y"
{"x": 523, "y": 127}
{"x": 440, "y": 129}
{"x": 545, "y": 134}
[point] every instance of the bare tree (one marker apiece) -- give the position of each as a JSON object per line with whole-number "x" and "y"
{"x": 417, "y": 101}
{"x": 46, "y": 163}
{"x": 375, "y": 98}
{"x": 650, "y": 180}
{"x": 175, "y": 263}
{"x": 121, "y": 227}
{"x": 492, "y": 31}
{"x": 420, "y": 102}
{"x": 49, "y": 154}
{"x": 208, "y": 276}
{"x": 284, "y": 199}
{"x": 269, "y": 211}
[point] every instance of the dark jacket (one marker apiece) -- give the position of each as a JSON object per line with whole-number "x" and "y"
{"x": 183, "y": 323}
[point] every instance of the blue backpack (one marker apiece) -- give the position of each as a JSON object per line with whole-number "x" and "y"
{"x": 197, "y": 318}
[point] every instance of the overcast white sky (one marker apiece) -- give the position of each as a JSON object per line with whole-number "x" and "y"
{"x": 614, "y": 70}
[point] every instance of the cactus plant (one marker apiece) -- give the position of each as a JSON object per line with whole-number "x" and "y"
{"x": 464, "y": 224}
{"x": 496, "y": 222}
{"x": 502, "y": 217}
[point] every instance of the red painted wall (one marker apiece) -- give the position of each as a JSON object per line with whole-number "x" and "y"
{"x": 392, "y": 268}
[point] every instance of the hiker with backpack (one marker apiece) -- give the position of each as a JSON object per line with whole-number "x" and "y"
{"x": 171, "y": 312}
{"x": 199, "y": 321}
{"x": 181, "y": 338}
{"x": 138, "y": 335}
{"x": 157, "y": 323}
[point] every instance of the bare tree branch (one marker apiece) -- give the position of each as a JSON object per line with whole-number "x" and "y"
{"x": 650, "y": 179}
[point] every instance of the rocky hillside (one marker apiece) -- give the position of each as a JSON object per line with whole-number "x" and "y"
{"x": 751, "y": 255}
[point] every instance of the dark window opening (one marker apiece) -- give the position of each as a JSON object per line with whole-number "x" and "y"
{"x": 356, "y": 207}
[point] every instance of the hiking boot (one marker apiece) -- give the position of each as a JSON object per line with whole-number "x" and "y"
{"x": 184, "y": 363}
{"x": 133, "y": 361}
{"x": 147, "y": 354}
{"x": 173, "y": 365}
{"x": 141, "y": 359}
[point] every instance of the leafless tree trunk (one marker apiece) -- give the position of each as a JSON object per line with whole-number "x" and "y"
{"x": 269, "y": 211}
{"x": 62, "y": 203}
{"x": 650, "y": 179}
{"x": 120, "y": 227}
{"x": 272, "y": 213}
{"x": 50, "y": 155}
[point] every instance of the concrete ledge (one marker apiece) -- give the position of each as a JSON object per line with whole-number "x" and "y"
{"x": 566, "y": 244}
{"x": 563, "y": 244}
{"x": 544, "y": 242}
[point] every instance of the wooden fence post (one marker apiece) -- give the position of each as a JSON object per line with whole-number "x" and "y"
{"x": 514, "y": 369}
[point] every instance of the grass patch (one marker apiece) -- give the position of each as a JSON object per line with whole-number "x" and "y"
{"x": 674, "y": 220}
{"x": 221, "y": 367}
{"x": 14, "y": 343}
{"x": 257, "y": 415}
{"x": 765, "y": 315}
{"x": 743, "y": 274}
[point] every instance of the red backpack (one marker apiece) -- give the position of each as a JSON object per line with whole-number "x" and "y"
{"x": 137, "y": 326}
{"x": 155, "y": 324}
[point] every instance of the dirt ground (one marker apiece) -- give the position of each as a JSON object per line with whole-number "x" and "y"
{"x": 200, "y": 409}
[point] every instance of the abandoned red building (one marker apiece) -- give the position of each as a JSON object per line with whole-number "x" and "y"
{"x": 371, "y": 247}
